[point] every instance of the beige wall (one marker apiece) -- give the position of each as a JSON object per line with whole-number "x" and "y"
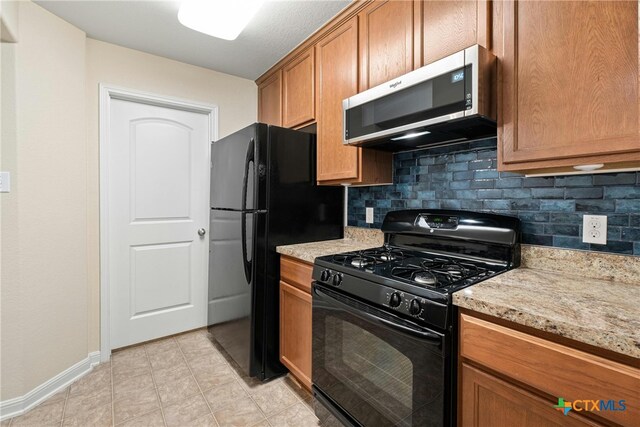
{"x": 49, "y": 247}
{"x": 44, "y": 218}
{"x": 235, "y": 97}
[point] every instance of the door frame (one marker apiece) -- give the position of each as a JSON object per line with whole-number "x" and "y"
{"x": 108, "y": 93}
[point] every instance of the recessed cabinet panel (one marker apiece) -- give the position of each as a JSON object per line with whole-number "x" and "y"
{"x": 298, "y": 78}
{"x": 337, "y": 79}
{"x": 570, "y": 83}
{"x": 270, "y": 100}
{"x": 450, "y": 26}
{"x": 386, "y": 42}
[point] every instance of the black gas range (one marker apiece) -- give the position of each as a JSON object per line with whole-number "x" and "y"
{"x": 383, "y": 322}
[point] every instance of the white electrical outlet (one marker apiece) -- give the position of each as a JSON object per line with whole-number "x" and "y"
{"x": 594, "y": 229}
{"x": 5, "y": 182}
{"x": 369, "y": 216}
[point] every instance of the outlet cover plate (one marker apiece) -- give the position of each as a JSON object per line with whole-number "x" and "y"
{"x": 594, "y": 229}
{"x": 369, "y": 215}
{"x": 5, "y": 182}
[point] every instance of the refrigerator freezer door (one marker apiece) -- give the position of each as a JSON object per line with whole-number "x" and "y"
{"x": 233, "y": 166}
{"x": 230, "y": 292}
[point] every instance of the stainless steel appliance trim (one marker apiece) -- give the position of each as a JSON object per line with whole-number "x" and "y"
{"x": 435, "y": 69}
{"x": 439, "y": 119}
{"x": 469, "y": 56}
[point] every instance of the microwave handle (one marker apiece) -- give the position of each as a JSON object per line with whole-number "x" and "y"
{"x": 430, "y": 337}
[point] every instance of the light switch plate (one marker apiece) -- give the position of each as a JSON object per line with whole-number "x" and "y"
{"x": 5, "y": 182}
{"x": 594, "y": 229}
{"x": 369, "y": 216}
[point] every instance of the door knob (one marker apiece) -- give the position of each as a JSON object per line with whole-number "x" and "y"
{"x": 202, "y": 232}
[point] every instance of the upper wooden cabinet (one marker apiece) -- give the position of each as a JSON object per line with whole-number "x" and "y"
{"x": 388, "y": 45}
{"x": 452, "y": 25}
{"x": 270, "y": 100}
{"x": 337, "y": 78}
{"x": 569, "y": 76}
{"x": 298, "y": 80}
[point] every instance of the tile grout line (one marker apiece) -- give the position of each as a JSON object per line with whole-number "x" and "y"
{"x": 64, "y": 407}
{"x": 155, "y": 385}
{"x": 113, "y": 397}
{"x": 197, "y": 383}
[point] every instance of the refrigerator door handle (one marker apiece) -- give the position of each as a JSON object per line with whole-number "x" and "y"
{"x": 248, "y": 159}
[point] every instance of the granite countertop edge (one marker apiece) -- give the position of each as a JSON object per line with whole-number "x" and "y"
{"x": 547, "y": 313}
{"x": 549, "y": 301}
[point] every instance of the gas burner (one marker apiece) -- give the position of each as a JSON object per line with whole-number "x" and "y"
{"x": 359, "y": 261}
{"x": 437, "y": 272}
{"x": 388, "y": 256}
{"x": 425, "y": 278}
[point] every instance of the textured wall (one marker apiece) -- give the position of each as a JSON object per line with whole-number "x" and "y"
{"x": 43, "y": 312}
{"x": 551, "y": 208}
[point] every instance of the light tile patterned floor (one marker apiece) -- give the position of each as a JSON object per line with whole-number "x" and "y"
{"x": 179, "y": 381}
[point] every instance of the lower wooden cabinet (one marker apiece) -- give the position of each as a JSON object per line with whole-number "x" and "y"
{"x": 508, "y": 377}
{"x": 488, "y": 401}
{"x": 295, "y": 318}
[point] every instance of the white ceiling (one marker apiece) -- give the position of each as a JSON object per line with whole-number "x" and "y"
{"x": 153, "y": 27}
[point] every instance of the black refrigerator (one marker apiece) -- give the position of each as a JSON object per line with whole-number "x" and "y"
{"x": 263, "y": 195}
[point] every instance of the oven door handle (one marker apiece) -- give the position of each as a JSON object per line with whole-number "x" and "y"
{"x": 431, "y": 337}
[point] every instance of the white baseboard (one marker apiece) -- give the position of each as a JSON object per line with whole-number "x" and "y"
{"x": 19, "y": 405}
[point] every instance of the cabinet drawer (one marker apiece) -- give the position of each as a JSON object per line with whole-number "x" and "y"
{"x": 296, "y": 273}
{"x": 552, "y": 368}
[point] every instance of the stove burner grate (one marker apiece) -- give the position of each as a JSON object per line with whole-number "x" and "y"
{"x": 437, "y": 272}
{"x": 369, "y": 257}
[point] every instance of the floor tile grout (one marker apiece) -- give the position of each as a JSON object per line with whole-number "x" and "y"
{"x": 195, "y": 346}
{"x": 155, "y": 385}
{"x": 197, "y": 384}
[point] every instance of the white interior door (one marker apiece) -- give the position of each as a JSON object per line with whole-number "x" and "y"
{"x": 158, "y": 189}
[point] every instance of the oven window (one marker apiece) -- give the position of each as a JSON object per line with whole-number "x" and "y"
{"x": 370, "y": 367}
{"x": 380, "y": 376}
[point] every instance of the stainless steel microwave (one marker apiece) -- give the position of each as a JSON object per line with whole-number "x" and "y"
{"x": 447, "y": 101}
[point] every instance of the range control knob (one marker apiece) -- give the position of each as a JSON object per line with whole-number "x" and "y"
{"x": 395, "y": 299}
{"x": 337, "y": 280}
{"x": 415, "y": 307}
{"x": 324, "y": 276}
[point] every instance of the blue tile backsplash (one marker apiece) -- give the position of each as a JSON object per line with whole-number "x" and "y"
{"x": 464, "y": 176}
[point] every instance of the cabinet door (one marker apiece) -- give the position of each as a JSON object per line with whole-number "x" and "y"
{"x": 295, "y": 332}
{"x": 489, "y": 401}
{"x": 386, "y": 41}
{"x": 299, "y": 90}
{"x": 270, "y": 100}
{"x": 570, "y": 84}
{"x": 337, "y": 79}
{"x": 452, "y": 25}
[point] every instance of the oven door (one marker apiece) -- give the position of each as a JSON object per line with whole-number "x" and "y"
{"x": 375, "y": 369}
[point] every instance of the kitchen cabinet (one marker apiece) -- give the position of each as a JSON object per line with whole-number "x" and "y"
{"x": 452, "y": 25}
{"x": 511, "y": 377}
{"x": 298, "y": 79}
{"x": 387, "y": 43}
{"x": 337, "y": 79}
{"x": 270, "y": 100}
{"x": 295, "y": 318}
{"x": 489, "y": 401}
{"x": 569, "y": 74}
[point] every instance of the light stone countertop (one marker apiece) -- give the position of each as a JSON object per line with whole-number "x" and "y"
{"x": 310, "y": 251}
{"x": 355, "y": 239}
{"x": 590, "y": 297}
{"x": 599, "y": 312}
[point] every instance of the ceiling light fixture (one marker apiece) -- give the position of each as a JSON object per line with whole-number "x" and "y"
{"x": 410, "y": 135}
{"x": 224, "y": 19}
